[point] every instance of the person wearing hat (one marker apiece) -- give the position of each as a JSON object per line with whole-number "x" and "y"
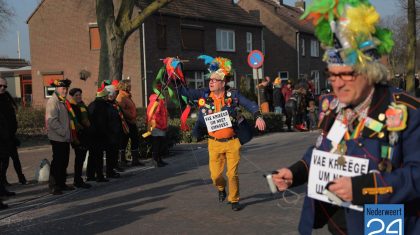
{"x": 129, "y": 110}
{"x": 365, "y": 122}
{"x": 219, "y": 106}
{"x": 60, "y": 121}
{"x": 98, "y": 113}
{"x": 278, "y": 99}
{"x": 80, "y": 145}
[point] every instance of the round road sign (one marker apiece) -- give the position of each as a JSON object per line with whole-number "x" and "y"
{"x": 255, "y": 59}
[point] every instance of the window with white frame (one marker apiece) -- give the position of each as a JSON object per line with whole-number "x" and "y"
{"x": 225, "y": 40}
{"x": 284, "y": 75}
{"x": 314, "y": 48}
{"x": 49, "y": 91}
{"x": 302, "y": 47}
{"x": 315, "y": 79}
{"x": 232, "y": 82}
{"x": 195, "y": 79}
{"x": 248, "y": 42}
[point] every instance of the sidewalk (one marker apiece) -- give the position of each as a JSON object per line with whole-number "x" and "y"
{"x": 35, "y": 193}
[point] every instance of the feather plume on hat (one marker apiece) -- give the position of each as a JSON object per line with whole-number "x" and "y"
{"x": 220, "y": 66}
{"x": 349, "y": 32}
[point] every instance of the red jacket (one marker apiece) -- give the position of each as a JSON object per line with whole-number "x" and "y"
{"x": 287, "y": 93}
{"x": 160, "y": 115}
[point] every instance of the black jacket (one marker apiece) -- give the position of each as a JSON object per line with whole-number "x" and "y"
{"x": 8, "y": 125}
{"x": 278, "y": 99}
{"x": 98, "y": 113}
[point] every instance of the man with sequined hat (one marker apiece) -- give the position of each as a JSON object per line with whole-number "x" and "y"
{"x": 365, "y": 122}
{"x": 61, "y": 128}
{"x": 218, "y": 116}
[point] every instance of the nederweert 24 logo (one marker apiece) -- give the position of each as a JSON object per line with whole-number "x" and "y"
{"x": 384, "y": 219}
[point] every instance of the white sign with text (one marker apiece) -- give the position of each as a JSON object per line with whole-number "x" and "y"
{"x": 217, "y": 121}
{"x": 325, "y": 168}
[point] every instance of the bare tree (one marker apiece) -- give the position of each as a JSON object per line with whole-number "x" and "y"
{"x": 114, "y": 31}
{"x": 6, "y": 14}
{"x": 397, "y": 58}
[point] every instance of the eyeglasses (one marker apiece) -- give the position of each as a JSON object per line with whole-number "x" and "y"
{"x": 214, "y": 80}
{"x": 345, "y": 76}
{"x": 5, "y": 86}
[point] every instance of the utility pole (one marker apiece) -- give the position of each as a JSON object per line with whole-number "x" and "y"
{"x": 18, "y": 41}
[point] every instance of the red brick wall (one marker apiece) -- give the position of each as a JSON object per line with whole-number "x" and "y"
{"x": 59, "y": 41}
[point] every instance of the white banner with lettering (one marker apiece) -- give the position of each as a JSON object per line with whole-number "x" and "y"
{"x": 217, "y": 121}
{"x": 325, "y": 168}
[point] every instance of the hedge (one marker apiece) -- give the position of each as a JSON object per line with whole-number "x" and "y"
{"x": 32, "y": 125}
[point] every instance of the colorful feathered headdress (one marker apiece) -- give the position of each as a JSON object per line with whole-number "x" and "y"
{"x": 348, "y": 31}
{"x": 220, "y": 66}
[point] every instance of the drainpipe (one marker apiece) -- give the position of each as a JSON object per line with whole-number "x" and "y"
{"x": 298, "y": 53}
{"x": 262, "y": 47}
{"x": 144, "y": 66}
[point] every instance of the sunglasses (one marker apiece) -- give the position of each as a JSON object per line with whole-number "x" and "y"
{"x": 5, "y": 86}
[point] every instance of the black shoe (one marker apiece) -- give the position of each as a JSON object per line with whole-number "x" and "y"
{"x": 22, "y": 179}
{"x": 119, "y": 169}
{"x": 137, "y": 163}
{"x": 163, "y": 163}
{"x": 157, "y": 164}
{"x": 82, "y": 185}
{"x": 67, "y": 188}
{"x": 3, "y": 206}
{"x": 6, "y": 183}
{"x": 113, "y": 175}
{"x": 222, "y": 195}
{"x": 91, "y": 179}
{"x": 6, "y": 193}
{"x": 102, "y": 180}
{"x": 56, "y": 191}
{"x": 236, "y": 206}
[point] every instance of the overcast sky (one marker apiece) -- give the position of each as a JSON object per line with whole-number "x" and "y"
{"x": 24, "y": 8}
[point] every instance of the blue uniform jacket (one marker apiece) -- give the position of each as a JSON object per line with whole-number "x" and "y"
{"x": 404, "y": 177}
{"x": 200, "y": 128}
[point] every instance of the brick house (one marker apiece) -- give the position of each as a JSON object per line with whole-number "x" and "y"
{"x": 17, "y": 73}
{"x": 64, "y": 43}
{"x": 291, "y": 49}
{"x": 189, "y": 28}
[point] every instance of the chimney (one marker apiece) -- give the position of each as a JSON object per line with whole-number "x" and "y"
{"x": 300, "y": 4}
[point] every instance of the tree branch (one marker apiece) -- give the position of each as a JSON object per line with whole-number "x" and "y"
{"x": 125, "y": 12}
{"x": 150, "y": 9}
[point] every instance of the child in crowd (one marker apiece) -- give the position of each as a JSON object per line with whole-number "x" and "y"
{"x": 312, "y": 115}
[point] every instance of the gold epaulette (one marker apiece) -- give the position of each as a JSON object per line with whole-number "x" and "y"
{"x": 406, "y": 99}
{"x": 376, "y": 191}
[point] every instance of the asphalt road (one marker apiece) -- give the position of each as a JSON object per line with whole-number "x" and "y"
{"x": 176, "y": 199}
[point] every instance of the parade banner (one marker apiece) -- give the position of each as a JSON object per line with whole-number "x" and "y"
{"x": 217, "y": 121}
{"x": 325, "y": 168}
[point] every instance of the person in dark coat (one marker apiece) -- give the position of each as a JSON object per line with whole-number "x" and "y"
{"x": 8, "y": 127}
{"x": 14, "y": 155}
{"x": 278, "y": 99}
{"x": 98, "y": 110}
{"x": 80, "y": 145}
{"x": 117, "y": 129}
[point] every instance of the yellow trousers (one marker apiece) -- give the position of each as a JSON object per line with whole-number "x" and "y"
{"x": 219, "y": 154}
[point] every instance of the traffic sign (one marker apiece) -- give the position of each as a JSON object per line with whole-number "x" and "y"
{"x": 255, "y": 59}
